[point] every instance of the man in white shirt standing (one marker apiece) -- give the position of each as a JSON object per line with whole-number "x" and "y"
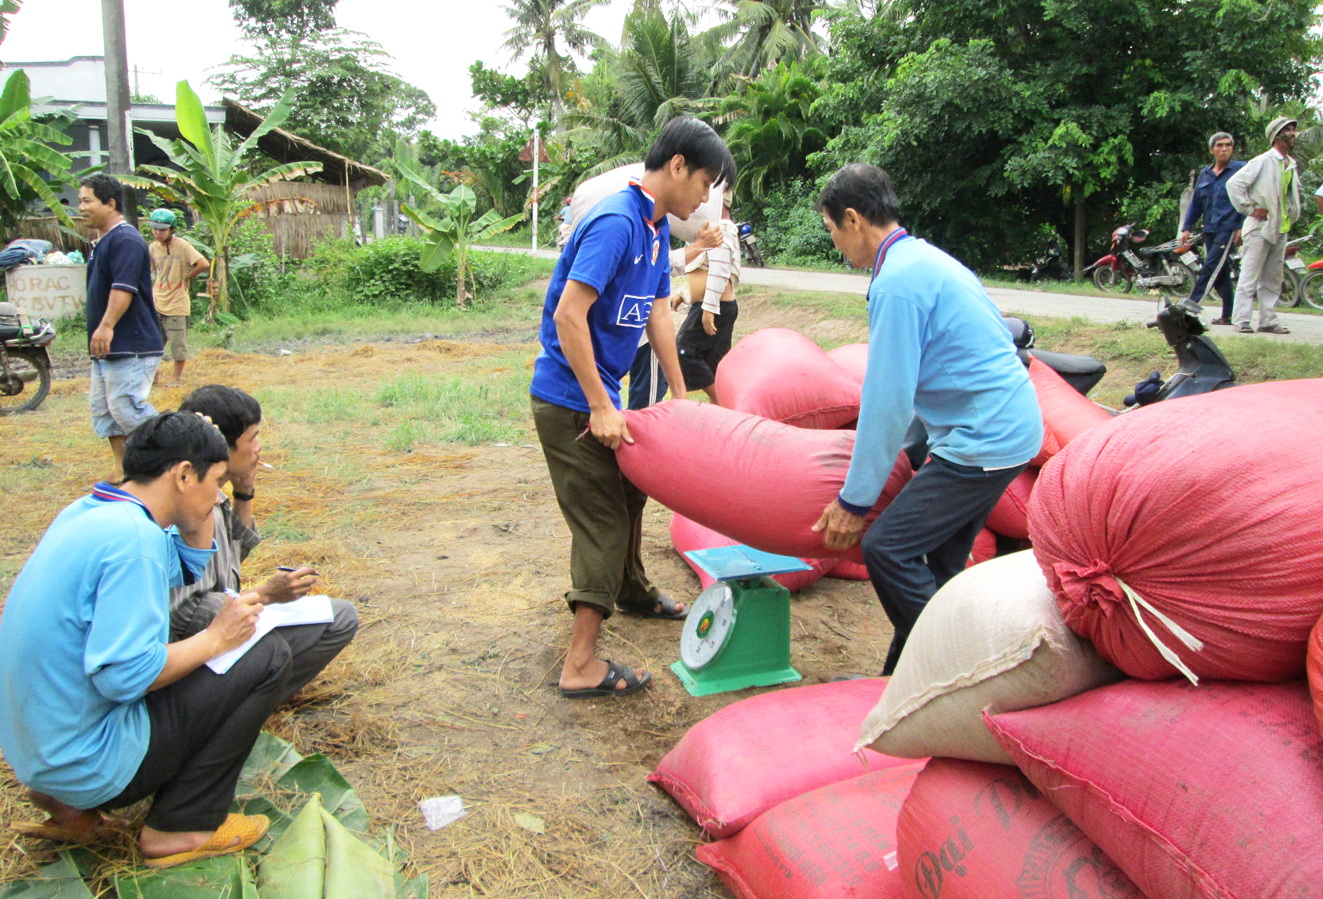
{"x": 1267, "y": 192}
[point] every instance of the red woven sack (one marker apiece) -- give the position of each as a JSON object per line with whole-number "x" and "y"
{"x": 756, "y": 753}
{"x": 848, "y": 570}
{"x": 782, "y": 375}
{"x": 973, "y": 830}
{"x": 1066, "y": 412}
{"x": 757, "y": 481}
{"x": 853, "y": 357}
{"x": 1010, "y": 517}
{"x": 1315, "y": 666}
{"x": 1154, "y": 548}
{"x": 837, "y": 842}
{"x": 985, "y": 548}
{"x": 687, "y": 536}
{"x": 1208, "y": 791}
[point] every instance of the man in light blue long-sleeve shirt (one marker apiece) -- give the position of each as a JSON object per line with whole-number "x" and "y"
{"x": 938, "y": 350}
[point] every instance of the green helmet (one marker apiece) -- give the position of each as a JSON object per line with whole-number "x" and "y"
{"x": 162, "y": 218}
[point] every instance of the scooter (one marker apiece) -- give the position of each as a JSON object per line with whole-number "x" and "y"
{"x": 25, "y": 365}
{"x": 749, "y": 244}
{"x": 1201, "y": 366}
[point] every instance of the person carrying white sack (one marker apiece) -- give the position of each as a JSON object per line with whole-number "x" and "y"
{"x": 712, "y": 263}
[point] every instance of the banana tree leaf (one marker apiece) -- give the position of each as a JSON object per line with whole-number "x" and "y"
{"x": 61, "y": 880}
{"x": 418, "y": 181}
{"x": 485, "y": 229}
{"x": 424, "y": 221}
{"x": 295, "y": 865}
{"x": 436, "y": 251}
{"x": 17, "y": 95}
{"x": 316, "y": 774}
{"x": 353, "y": 870}
{"x": 415, "y": 888}
{"x": 192, "y": 119}
{"x": 279, "y": 113}
{"x": 223, "y": 877}
{"x": 282, "y": 173}
{"x": 270, "y": 758}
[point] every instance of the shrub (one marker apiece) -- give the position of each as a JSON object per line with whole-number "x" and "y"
{"x": 791, "y": 228}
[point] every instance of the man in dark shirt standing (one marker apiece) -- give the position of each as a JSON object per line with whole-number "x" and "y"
{"x": 1221, "y": 223}
{"x": 123, "y": 335}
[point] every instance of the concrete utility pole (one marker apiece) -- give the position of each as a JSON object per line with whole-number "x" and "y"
{"x": 119, "y": 127}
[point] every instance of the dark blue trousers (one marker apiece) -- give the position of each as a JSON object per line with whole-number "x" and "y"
{"x": 924, "y": 537}
{"x": 1216, "y": 272}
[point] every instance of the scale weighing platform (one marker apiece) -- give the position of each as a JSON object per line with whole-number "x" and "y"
{"x": 737, "y": 633}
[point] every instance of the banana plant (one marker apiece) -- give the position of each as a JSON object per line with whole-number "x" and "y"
{"x": 456, "y": 232}
{"x": 30, "y": 169}
{"x": 212, "y": 178}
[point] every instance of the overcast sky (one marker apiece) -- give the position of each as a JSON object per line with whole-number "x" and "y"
{"x": 433, "y": 43}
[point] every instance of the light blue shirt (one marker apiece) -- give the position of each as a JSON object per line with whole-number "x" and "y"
{"x": 939, "y": 349}
{"x": 82, "y": 637}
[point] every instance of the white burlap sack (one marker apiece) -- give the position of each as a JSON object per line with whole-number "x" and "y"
{"x": 595, "y": 190}
{"x": 992, "y": 638}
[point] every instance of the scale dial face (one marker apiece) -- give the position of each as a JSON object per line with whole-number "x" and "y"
{"x": 708, "y": 626}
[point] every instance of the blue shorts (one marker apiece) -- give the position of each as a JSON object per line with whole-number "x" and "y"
{"x": 118, "y": 392}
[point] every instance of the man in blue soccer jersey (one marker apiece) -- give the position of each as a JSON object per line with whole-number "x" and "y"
{"x": 611, "y": 283}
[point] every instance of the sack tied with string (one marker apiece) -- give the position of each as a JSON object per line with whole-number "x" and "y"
{"x": 1185, "y": 537}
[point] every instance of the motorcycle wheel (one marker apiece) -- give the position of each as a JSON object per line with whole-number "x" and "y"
{"x": 755, "y": 255}
{"x": 1311, "y": 290}
{"x": 1107, "y": 278}
{"x": 28, "y": 380}
{"x": 1290, "y": 295}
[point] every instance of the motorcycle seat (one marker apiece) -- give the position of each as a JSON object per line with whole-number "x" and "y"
{"x": 10, "y": 332}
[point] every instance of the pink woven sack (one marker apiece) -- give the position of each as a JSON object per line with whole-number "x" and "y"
{"x": 687, "y": 536}
{"x": 1066, "y": 412}
{"x": 836, "y": 842}
{"x": 1010, "y": 517}
{"x": 1195, "y": 792}
{"x": 782, "y": 375}
{"x": 974, "y": 830}
{"x": 1175, "y": 542}
{"x": 853, "y": 357}
{"x": 756, "y": 753}
{"x": 1315, "y": 666}
{"x": 754, "y": 480}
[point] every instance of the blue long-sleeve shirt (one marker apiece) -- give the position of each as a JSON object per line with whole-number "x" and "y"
{"x": 1210, "y": 200}
{"x": 939, "y": 349}
{"x": 82, "y": 638}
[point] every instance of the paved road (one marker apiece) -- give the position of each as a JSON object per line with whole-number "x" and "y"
{"x": 1305, "y": 328}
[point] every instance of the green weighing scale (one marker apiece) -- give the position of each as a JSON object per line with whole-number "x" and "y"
{"x": 737, "y": 633}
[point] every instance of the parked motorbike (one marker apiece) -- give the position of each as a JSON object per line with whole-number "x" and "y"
{"x": 1127, "y": 265}
{"x": 1050, "y": 267}
{"x": 1311, "y": 285}
{"x": 749, "y": 245}
{"x": 25, "y": 365}
{"x": 1294, "y": 271}
{"x": 1201, "y": 366}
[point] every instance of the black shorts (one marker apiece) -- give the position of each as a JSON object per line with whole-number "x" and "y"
{"x": 699, "y": 351}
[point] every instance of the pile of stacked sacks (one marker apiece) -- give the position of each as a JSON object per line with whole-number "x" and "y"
{"x": 1122, "y": 711}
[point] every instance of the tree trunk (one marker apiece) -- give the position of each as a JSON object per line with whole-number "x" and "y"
{"x": 1081, "y": 233}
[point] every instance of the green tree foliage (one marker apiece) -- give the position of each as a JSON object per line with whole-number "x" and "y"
{"x": 996, "y": 118}
{"x": 210, "y": 175}
{"x": 489, "y": 161}
{"x": 774, "y": 130}
{"x": 343, "y": 95}
{"x": 266, "y": 17}
{"x": 546, "y": 32}
{"x": 31, "y": 171}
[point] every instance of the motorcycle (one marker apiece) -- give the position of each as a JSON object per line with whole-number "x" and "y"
{"x": 1050, "y": 267}
{"x": 749, "y": 245}
{"x": 1165, "y": 266}
{"x": 1201, "y": 366}
{"x": 1294, "y": 272}
{"x": 25, "y": 364}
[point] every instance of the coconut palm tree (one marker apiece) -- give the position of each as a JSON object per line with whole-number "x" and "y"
{"x": 546, "y": 32}
{"x": 759, "y": 34}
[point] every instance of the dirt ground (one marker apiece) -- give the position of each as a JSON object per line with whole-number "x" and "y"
{"x": 458, "y": 558}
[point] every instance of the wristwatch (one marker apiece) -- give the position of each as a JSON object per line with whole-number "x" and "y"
{"x": 239, "y": 494}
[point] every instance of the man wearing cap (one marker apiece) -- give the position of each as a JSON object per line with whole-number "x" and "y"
{"x": 1221, "y": 223}
{"x": 174, "y": 264}
{"x": 1267, "y": 192}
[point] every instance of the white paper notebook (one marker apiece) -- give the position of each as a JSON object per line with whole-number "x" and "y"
{"x": 307, "y": 610}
